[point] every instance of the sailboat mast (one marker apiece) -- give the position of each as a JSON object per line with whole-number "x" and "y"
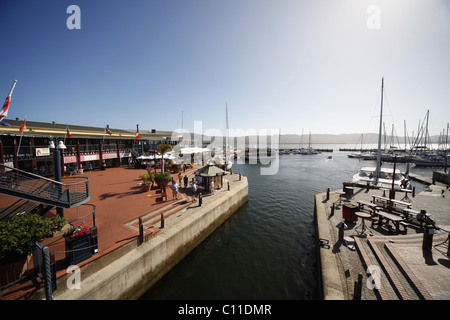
{"x": 377, "y": 173}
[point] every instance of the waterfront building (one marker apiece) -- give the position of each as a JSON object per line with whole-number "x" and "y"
{"x": 86, "y": 147}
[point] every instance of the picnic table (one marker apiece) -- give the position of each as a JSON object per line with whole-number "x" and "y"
{"x": 385, "y": 217}
{"x": 405, "y": 198}
{"x": 371, "y": 205}
{"x": 363, "y": 216}
{"x": 390, "y": 204}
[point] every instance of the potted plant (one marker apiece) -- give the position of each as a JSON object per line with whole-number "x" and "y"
{"x": 162, "y": 179}
{"x": 163, "y": 148}
{"x": 78, "y": 244}
{"x": 176, "y": 167}
{"x": 147, "y": 180}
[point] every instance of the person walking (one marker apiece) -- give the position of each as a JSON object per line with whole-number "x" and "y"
{"x": 174, "y": 187}
{"x": 194, "y": 191}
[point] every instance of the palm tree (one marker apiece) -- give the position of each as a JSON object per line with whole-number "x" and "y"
{"x": 163, "y": 148}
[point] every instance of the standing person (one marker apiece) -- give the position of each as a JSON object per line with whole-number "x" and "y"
{"x": 194, "y": 191}
{"x": 174, "y": 187}
{"x": 212, "y": 186}
{"x": 180, "y": 177}
{"x": 185, "y": 181}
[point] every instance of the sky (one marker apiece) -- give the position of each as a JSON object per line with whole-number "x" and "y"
{"x": 290, "y": 66}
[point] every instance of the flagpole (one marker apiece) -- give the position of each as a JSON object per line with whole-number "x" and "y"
{"x": 65, "y": 134}
{"x": 22, "y": 128}
{"x": 5, "y": 108}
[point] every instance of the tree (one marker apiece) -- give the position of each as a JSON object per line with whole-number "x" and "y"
{"x": 18, "y": 235}
{"x": 163, "y": 148}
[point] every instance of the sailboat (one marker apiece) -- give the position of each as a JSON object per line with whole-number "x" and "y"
{"x": 224, "y": 160}
{"x": 309, "y": 150}
{"x": 376, "y": 176}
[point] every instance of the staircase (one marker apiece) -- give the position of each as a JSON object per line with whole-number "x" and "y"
{"x": 71, "y": 192}
{"x": 23, "y": 206}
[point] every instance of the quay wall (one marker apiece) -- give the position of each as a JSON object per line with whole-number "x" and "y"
{"x": 127, "y": 272}
{"x": 330, "y": 286}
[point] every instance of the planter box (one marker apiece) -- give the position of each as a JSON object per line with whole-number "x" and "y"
{"x": 79, "y": 248}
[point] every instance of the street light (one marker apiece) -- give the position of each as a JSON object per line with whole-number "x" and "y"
{"x": 57, "y": 166}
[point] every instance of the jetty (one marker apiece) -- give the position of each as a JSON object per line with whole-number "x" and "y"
{"x": 368, "y": 250}
{"x": 141, "y": 236}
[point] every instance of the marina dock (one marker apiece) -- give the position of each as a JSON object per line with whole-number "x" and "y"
{"x": 382, "y": 264}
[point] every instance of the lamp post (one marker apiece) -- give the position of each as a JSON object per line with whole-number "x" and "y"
{"x": 57, "y": 166}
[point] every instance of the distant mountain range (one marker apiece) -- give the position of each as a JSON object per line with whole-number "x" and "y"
{"x": 368, "y": 138}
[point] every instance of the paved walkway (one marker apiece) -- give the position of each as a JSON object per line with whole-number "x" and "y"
{"x": 120, "y": 201}
{"x": 405, "y": 271}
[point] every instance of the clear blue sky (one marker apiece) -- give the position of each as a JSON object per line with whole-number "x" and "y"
{"x": 278, "y": 64}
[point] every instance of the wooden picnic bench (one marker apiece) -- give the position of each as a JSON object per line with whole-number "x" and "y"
{"x": 397, "y": 204}
{"x": 390, "y": 204}
{"x": 380, "y": 201}
{"x": 384, "y": 218}
{"x": 371, "y": 205}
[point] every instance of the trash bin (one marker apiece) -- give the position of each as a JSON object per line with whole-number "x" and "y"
{"x": 348, "y": 212}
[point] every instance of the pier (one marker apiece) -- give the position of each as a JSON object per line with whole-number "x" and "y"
{"x": 376, "y": 261}
{"x": 128, "y": 263}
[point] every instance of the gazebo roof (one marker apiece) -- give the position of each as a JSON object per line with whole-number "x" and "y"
{"x": 210, "y": 171}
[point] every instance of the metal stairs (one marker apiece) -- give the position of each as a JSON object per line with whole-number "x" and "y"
{"x": 71, "y": 192}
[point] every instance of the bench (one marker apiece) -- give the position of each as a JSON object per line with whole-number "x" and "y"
{"x": 371, "y": 205}
{"x": 381, "y": 201}
{"x": 400, "y": 204}
{"x": 384, "y": 218}
{"x": 390, "y": 204}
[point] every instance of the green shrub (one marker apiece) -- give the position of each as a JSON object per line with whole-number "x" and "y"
{"x": 18, "y": 235}
{"x": 166, "y": 176}
{"x": 147, "y": 178}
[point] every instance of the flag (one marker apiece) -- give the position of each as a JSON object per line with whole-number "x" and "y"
{"x": 68, "y": 134}
{"x": 23, "y": 126}
{"x": 136, "y": 136}
{"x": 107, "y": 130}
{"x": 5, "y": 108}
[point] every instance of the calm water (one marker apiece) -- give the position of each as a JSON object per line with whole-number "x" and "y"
{"x": 266, "y": 249}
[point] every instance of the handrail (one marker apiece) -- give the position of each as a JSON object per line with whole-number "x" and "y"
{"x": 30, "y": 186}
{"x": 30, "y": 174}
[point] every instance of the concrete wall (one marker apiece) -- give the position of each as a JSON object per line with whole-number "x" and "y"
{"x": 441, "y": 176}
{"x": 129, "y": 271}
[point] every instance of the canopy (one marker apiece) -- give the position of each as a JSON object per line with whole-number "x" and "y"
{"x": 193, "y": 150}
{"x": 158, "y": 156}
{"x": 210, "y": 171}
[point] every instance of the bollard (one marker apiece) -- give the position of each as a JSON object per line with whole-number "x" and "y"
{"x": 448, "y": 248}
{"x": 228, "y": 185}
{"x": 341, "y": 227}
{"x": 328, "y": 194}
{"x": 162, "y": 221}
{"x": 141, "y": 232}
{"x": 414, "y": 192}
{"x": 428, "y": 238}
{"x": 332, "y": 210}
{"x": 358, "y": 288}
{"x": 200, "y": 199}
{"x": 239, "y": 176}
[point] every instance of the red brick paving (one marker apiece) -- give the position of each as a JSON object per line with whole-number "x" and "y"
{"x": 119, "y": 198}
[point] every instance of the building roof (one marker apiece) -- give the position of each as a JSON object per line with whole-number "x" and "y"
{"x": 43, "y": 129}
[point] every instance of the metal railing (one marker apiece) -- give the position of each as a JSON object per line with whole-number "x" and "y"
{"x": 25, "y": 185}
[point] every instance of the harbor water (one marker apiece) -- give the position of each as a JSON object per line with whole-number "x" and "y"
{"x": 266, "y": 250}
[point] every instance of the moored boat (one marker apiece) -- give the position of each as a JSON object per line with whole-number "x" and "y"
{"x": 366, "y": 175}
